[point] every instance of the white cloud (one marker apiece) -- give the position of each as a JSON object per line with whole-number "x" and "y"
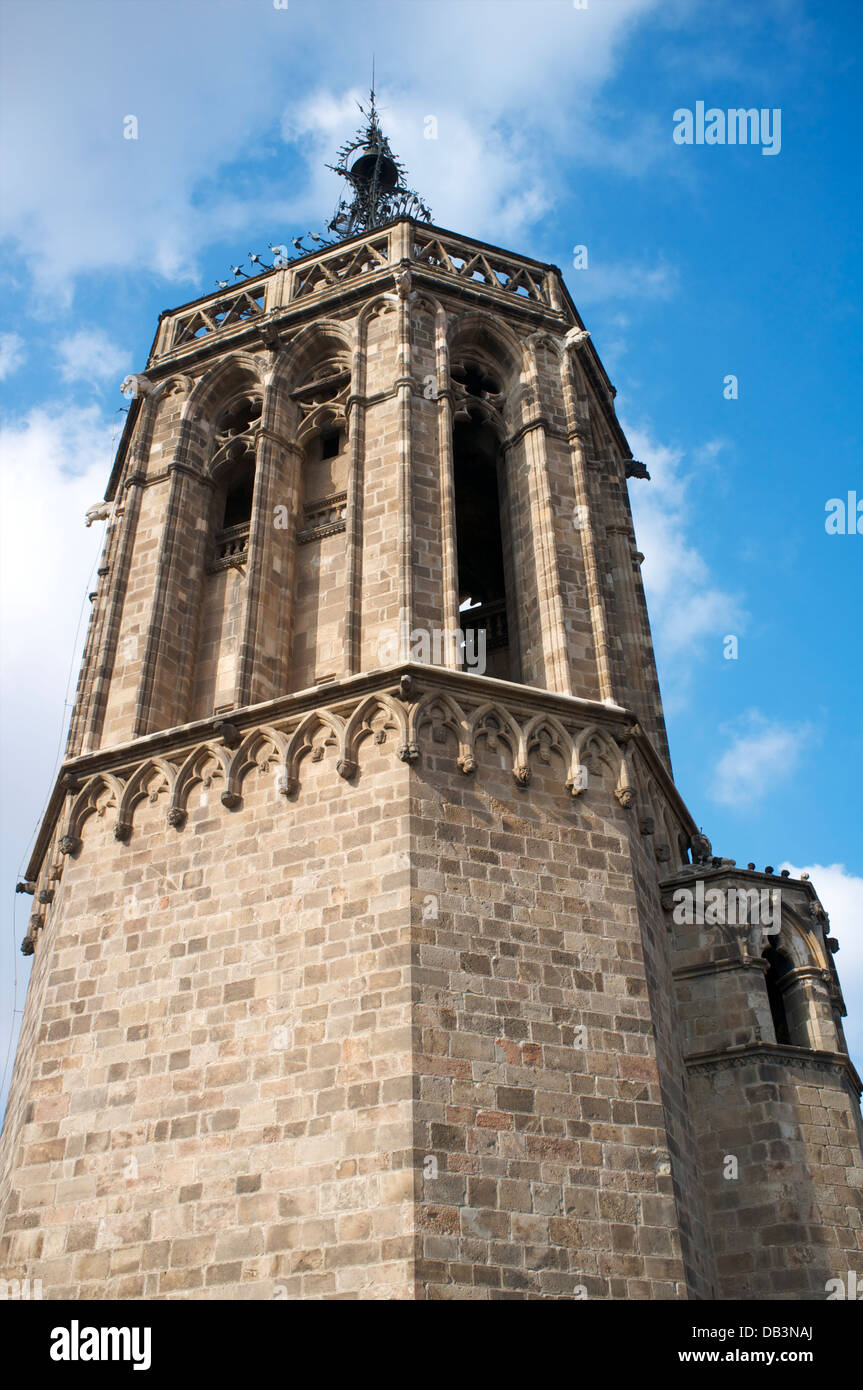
{"x": 623, "y": 280}
{"x": 53, "y": 465}
{"x": 12, "y": 354}
{"x": 157, "y": 202}
{"x": 841, "y": 893}
{"x": 688, "y": 607}
{"x": 90, "y": 355}
{"x": 763, "y": 755}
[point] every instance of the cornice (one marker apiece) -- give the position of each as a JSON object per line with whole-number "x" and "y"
{"x": 720, "y": 967}
{"x": 778, "y": 1054}
{"x": 714, "y": 874}
{"x": 517, "y": 712}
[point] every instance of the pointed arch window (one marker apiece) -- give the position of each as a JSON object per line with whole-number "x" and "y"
{"x": 482, "y": 522}
{"x": 321, "y": 399}
{"x": 234, "y": 468}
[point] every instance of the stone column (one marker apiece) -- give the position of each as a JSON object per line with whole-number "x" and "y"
{"x": 355, "y": 412}
{"x": 164, "y": 689}
{"x": 555, "y": 655}
{"x": 100, "y": 655}
{"x": 577, "y": 432}
{"x": 621, "y": 541}
{"x": 261, "y": 675}
{"x": 404, "y": 389}
{"x": 449, "y": 552}
{"x": 117, "y": 562}
{"x": 808, "y": 1009}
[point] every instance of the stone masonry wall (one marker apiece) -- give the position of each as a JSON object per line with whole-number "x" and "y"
{"x": 215, "y": 1053}
{"x": 540, "y": 1119}
{"x": 789, "y": 1216}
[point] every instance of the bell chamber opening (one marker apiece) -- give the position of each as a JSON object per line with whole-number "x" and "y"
{"x": 484, "y": 550}
{"x": 220, "y": 618}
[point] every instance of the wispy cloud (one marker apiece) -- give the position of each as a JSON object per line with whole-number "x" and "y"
{"x": 157, "y": 202}
{"x": 53, "y": 465}
{"x": 761, "y": 758}
{"x": 12, "y": 354}
{"x": 90, "y": 355}
{"x": 688, "y": 605}
{"x": 627, "y": 281}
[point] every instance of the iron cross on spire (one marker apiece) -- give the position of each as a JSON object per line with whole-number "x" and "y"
{"x": 376, "y": 178}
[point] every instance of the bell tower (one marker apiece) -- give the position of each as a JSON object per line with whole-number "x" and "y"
{"x": 358, "y": 965}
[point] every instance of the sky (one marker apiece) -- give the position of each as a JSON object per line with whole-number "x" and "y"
{"x": 557, "y": 126}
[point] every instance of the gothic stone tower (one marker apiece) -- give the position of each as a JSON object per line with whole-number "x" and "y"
{"x": 357, "y": 971}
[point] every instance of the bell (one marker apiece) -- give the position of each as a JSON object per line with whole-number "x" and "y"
{"x": 363, "y": 169}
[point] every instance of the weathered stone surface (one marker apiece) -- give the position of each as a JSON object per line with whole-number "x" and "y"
{"x": 358, "y": 975}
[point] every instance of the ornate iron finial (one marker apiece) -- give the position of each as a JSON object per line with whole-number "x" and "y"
{"x": 377, "y": 181}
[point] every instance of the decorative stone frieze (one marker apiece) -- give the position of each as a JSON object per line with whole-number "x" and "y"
{"x": 590, "y": 748}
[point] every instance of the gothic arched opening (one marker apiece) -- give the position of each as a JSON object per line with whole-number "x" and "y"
{"x": 317, "y": 626}
{"x": 320, "y": 388}
{"x": 778, "y": 966}
{"x": 232, "y": 468}
{"x": 483, "y": 549}
{"x": 239, "y": 495}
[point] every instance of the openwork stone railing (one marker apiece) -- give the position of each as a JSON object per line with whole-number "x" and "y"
{"x": 229, "y": 309}
{"x": 328, "y": 271}
{"x": 490, "y": 617}
{"x": 324, "y": 518}
{"x": 497, "y": 271}
{"x": 232, "y": 546}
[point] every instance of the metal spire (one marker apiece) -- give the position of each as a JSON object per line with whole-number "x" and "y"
{"x": 377, "y": 180}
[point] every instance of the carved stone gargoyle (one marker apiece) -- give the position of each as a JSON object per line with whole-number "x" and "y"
{"x": 702, "y": 850}
{"x": 634, "y": 469}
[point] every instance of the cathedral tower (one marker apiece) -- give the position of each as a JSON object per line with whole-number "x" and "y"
{"x": 363, "y": 965}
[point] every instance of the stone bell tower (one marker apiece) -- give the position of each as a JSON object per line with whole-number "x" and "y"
{"x": 358, "y": 970}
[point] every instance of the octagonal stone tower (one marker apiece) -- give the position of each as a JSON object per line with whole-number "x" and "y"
{"x": 356, "y": 967}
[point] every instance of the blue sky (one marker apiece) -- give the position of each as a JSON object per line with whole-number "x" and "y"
{"x": 554, "y": 130}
